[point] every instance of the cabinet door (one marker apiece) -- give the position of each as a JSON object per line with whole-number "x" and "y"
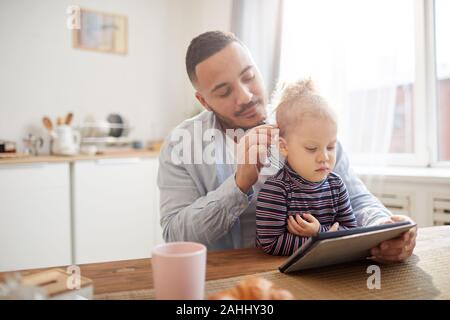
{"x": 34, "y": 216}
{"x": 115, "y": 213}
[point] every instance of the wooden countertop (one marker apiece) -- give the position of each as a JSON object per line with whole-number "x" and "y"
{"x": 129, "y": 275}
{"x": 103, "y": 155}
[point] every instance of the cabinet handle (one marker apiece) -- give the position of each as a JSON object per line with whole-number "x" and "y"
{"x": 118, "y": 161}
{"x": 24, "y": 165}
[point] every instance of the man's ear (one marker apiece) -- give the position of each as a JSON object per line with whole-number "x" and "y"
{"x": 283, "y": 147}
{"x": 202, "y": 101}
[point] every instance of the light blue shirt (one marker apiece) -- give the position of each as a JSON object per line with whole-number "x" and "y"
{"x": 201, "y": 202}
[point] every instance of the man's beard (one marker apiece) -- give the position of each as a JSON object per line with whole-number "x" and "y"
{"x": 228, "y": 123}
{"x": 248, "y": 106}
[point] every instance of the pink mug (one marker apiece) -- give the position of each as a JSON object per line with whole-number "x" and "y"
{"x": 179, "y": 270}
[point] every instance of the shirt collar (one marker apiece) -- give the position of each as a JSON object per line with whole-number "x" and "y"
{"x": 300, "y": 181}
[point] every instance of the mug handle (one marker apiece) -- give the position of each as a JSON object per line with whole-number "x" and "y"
{"x": 76, "y": 137}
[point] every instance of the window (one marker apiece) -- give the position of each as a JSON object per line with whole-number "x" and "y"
{"x": 367, "y": 58}
{"x": 442, "y": 25}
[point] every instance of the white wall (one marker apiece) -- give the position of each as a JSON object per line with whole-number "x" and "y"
{"x": 41, "y": 74}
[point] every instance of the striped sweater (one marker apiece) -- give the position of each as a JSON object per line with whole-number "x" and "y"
{"x": 287, "y": 193}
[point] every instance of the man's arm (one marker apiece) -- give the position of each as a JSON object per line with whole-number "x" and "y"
{"x": 187, "y": 215}
{"x": 367, "y": 208}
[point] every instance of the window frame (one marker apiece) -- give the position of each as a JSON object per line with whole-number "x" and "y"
{"x": 433, "y": 141}
{"x": 426, "y": 104}
{"x": 425, "y": 97}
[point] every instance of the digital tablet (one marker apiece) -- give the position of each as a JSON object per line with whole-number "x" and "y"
{"x": 330, "y": 248}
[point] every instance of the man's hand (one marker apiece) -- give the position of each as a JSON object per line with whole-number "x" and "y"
{"x": 306, "y": 227}
{"x": 398, "y": 249}
{"x": 252, "y": 155}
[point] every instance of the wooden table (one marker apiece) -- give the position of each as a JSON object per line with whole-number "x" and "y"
{"x": 130, "y": 275}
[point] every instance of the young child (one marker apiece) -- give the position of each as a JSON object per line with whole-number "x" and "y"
{"x": 305, "y": 197}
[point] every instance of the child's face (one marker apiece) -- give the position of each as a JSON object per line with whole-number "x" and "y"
{"x": 310, "y": 148}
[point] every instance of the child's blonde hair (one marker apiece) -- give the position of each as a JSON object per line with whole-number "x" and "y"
{"x": 293, "y": 101}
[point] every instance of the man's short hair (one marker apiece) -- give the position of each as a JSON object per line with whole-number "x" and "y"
{"x": 204, "y": 46}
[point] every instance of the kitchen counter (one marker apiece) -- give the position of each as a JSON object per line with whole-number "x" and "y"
{"x": 71, "y": 199}
{"x": 130, "y": 275}
{"x": 103, "y": 155}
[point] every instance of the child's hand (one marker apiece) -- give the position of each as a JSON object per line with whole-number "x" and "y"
{"x": 306, "y": 227}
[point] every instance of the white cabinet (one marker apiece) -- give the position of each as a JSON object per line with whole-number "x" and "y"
{"x": 115, "y": 209}
{"x": 34, "y": 216}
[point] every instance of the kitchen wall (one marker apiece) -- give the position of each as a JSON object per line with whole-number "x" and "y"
{"x": 41, "y": 74}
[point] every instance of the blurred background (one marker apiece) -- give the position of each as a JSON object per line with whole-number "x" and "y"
{"x": 81, "y": 79}
{"x": 384, "y": 65}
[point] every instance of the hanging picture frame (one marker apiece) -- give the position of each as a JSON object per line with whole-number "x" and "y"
{"x": 102, "y": 32}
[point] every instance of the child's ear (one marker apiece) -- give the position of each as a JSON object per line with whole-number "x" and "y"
{"x": 283, "y": 147}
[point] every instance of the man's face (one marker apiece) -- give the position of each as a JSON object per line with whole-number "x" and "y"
{"x": 310, "y": 148}
{"x": 229, "y": 84}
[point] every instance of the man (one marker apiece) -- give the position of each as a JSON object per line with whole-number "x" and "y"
{"x": 214, "y": 203}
